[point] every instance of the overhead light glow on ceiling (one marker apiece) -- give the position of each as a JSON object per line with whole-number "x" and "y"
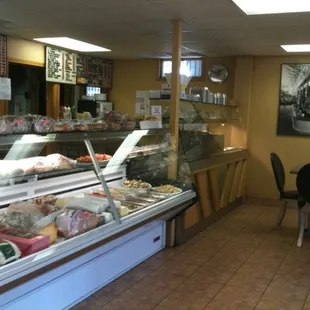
{"x": 258, "y": 7}
{"x": 73, "y": 44}
{"x": 296, "y": 48}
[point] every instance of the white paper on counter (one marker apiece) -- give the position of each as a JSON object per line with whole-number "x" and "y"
{"x": 5, "y": 88}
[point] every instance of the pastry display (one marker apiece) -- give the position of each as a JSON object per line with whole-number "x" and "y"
{"x": 99, "y": 157}
{"x": 136, "y": 184}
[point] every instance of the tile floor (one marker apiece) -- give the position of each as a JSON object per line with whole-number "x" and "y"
{"x": 242, "y": 262}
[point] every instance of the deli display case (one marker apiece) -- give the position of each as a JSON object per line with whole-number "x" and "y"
{"x": 82, "y": 207}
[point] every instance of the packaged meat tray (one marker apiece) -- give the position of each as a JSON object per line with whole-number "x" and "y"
{"x": 44, "y": 124}
{"x": 19, "y": 124}
{"x": 128, "y": 123}
{"x": 71, "y": 223}
{"x": 114, "y": 120}
{"x": 28, "y": 242}
{"x": 8, "y": 252}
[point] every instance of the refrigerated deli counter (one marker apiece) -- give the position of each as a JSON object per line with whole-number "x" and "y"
{"x": 78, "y": 209}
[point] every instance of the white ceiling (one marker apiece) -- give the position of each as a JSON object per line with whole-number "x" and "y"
{"x": 142, "y": 28}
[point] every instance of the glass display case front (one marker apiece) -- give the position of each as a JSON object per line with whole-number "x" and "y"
{"x": 68, "y": 190}
{"x": 205, "y": 129}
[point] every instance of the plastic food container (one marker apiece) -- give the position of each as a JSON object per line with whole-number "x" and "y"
{"x": 151, "y": 124}
{"x": 44, "y": 124}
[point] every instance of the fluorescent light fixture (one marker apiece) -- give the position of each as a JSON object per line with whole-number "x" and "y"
{"x": 72, "y": 44}
{"x": 296, "y": 48}
{"x": 258, "y": 7}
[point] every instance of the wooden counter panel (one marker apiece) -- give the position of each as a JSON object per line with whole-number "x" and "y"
{"x": 241, "y": 189}
{"x": 203, "y": 193}
{"x": 228, "y": 184}
{"x": 219, "y": 160}
{"x": 220, "y": 186}
{"x": 237, "y": 181}
{"x": 214, "y": 189}
{"x": 192, "y": 216}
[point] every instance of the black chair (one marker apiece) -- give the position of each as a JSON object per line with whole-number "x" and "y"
{"x": 279, "y": 175}
{"x": 303, "y": 186}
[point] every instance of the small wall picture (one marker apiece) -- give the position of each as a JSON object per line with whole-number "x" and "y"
{"x": 294, "y": 100}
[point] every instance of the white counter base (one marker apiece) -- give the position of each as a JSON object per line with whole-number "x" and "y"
{"x": 70, "y": 283}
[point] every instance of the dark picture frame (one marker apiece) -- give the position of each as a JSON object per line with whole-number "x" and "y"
{"x": 294, "y": 100}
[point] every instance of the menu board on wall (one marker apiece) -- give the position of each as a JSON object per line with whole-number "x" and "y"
{"x": 60, "y": 66}
{"x": 3, "y": 56}
{"x": 94, "y": 71}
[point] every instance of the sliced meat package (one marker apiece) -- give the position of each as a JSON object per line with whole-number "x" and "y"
{"x": 28, "y": 242}
{"x": 71, "y": 223}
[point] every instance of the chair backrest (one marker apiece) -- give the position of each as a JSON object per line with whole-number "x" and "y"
{"x": 303, "y": 182}
{"x": 278, "y": 171}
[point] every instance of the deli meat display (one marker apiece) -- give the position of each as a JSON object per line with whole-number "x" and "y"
{"x": 82, "y": 209}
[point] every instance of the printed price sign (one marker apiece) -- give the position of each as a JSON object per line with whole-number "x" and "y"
{"x": 156, "y": 110}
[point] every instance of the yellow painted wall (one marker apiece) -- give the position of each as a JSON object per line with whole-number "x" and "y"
{"x": 262, "y": 129}
{"x": 132, "y": 75}
{"x": 26, "y": 51}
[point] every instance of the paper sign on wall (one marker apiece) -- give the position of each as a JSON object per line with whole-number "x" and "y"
{"x": 5, "y": 89}
{"x": 156, "y": 111}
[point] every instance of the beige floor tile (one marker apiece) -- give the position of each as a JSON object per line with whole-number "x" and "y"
{"x": 226, "y": 267}
{"x": 235, "y": 298}
{"x": 256, "y": 281}
{"x": 165, "y": 278}
{"x": 212, "y": 272}
{"x": 285, "y": 296}
{"x": 287, "y": 290}
{"x": 259, "y": 268}
{"x": 137, "y": 274}
{"x": 118, "y": 286}
{"x": 307, "y": 303}
{"x": 186, "y": 299}
{"x": 185, "y": 267}
{"x": 294, "y": 278}
{"x": 122, "y": 303}
{"x": 196, "y": 284}
{"x": 160, "y": 307}
{"x": 145, "y": 293}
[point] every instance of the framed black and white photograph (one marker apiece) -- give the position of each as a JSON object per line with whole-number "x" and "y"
{"x": 294, "y": 100}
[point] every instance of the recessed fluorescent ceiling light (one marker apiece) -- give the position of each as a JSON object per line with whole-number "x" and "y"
{"x": 257, "y": 7}
{"x": 72, "y": 44}
{"x": 301, "y": 48}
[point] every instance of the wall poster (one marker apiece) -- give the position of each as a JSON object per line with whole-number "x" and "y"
{"x": 294, "y": 100}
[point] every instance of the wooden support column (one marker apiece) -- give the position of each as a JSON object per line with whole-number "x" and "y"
{"x": 3, "y": 107}
{"x": 53, "y": 98}
{"x": 175, "y": 97}
{"x": 174, "y": 113}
